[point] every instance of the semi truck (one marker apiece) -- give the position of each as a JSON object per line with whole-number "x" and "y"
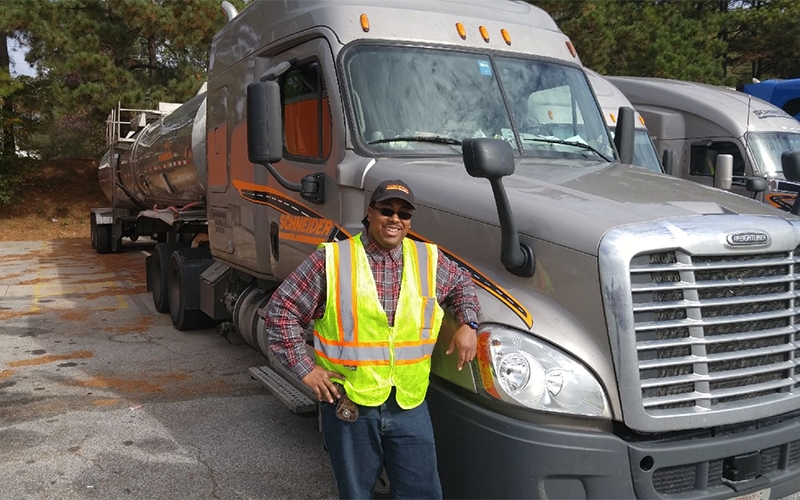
{"x": 784, "y": 94}
{"x": 638, "y": 334}
{"x": 610, "y": 99}
{"x": 695, "y": 123}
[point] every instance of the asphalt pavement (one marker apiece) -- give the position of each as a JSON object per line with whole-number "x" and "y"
{"x": 100, "y": 397}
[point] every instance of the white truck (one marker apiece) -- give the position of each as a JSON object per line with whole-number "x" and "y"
{"x": 611, "y": 99}
{"x": 698, "y": 122}
{"x": 639, "y": 334}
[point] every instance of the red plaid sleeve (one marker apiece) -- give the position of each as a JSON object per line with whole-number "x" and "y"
{"x": 298, "y": 301}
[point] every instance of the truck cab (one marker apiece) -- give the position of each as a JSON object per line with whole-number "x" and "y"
{"x": 699, "y": 122}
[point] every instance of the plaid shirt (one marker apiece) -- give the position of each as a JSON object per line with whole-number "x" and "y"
{"x": 301, "y": 298}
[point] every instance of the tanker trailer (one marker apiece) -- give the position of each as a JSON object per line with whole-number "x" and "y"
{"x": 154, "y": 175}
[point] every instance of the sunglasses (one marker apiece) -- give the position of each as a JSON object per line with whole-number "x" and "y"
{"x": 388, "y": 212}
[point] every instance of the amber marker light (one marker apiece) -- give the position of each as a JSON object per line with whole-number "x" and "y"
{"x": 613, "y": 118}
{"x": 483, "y": 356}
{"x": 462, "y": 32}
{"x": 364, "y": 23}
{"x": 571, "y": 49}
{"x": 506, "y": 36}
{"x": 484, "y": 33}
{"x": 641, "y": 119}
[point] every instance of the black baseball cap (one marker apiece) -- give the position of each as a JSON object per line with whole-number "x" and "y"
{"x": 394, "y": 188}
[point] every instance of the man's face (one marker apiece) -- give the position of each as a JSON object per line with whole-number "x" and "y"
{"x": 388, "y": 231}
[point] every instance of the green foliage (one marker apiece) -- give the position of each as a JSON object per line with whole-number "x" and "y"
{"x": 92, "y": 54}
{"x": 12, "y": 175}
{"x": 721, "y": 42}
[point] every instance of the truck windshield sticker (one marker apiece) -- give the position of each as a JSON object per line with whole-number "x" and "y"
{"x": 485, "y": 67}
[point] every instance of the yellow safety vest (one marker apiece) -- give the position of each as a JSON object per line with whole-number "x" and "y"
{"x": 354, "y": 338}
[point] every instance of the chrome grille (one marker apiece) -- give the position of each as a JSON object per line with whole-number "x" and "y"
{"x": 715, "y": 331}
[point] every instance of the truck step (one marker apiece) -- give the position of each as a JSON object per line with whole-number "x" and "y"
{"x": 292, "y": 397}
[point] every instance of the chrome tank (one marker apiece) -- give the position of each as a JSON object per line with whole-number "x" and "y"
{"x": 165, "y": 164}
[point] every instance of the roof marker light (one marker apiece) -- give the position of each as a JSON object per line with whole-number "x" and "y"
{"x": 506, "y": 36}
{"x": 613, "y": 118}
{"x": 484, "y": 33}
{"x": 641, "y": 119}
{"x": 364, "y": 23}
{"x": 571, "y": 49}
{"x": 462, "y": 32}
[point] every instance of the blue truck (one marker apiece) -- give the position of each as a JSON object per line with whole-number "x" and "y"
{"x": 782, "y": 93}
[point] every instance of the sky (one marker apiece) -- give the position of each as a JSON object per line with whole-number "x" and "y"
{"x": 18, "y": 64}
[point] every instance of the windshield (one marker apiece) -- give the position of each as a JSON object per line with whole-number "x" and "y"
{"x": 415, "y": 101}
{"x": 768, "y": 146}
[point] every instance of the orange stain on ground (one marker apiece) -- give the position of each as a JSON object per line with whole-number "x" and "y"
{"x": 4, "y": 315}
{"x": 6, "y": 374}
{"x": 105, "y": 402}
{"x": 43, "y": 360}
{"x": 140, "y": 326}
{"x": 74, "y": 315}
{"x": 118, "y": 384}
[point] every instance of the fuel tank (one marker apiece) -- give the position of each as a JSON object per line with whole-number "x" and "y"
{"x": 163, "y": 163}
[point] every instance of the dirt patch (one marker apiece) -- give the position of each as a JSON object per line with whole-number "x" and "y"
{"x": 53, "y": 202}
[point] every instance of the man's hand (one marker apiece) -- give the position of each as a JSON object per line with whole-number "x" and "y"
{"x": 466, "y": 340}
{"x": 319, "y": 380}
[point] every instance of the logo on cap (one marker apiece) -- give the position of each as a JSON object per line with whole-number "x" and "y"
{"x": 397, "y": 187}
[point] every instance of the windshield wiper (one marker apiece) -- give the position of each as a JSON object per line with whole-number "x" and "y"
{"x": 576, "y": 144}
{"x": 418, "y": 138}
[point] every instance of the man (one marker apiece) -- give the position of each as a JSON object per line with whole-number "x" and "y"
{"x": 375, "y": 300}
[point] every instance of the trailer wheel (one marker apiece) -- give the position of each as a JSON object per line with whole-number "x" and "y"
{"x": 159, "y": 274}
{"x": 102, "y": 242}
{"x": 186, "y": 266}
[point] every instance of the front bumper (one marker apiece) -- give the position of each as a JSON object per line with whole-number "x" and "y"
{"x": 483, "y": 454}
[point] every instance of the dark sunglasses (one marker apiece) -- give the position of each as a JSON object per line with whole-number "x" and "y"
{"x": 388, "y": 212}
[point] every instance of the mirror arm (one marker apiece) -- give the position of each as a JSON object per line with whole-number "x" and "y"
{"x": 516, "y": 257}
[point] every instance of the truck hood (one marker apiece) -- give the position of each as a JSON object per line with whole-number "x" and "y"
{"x": 559, "y": 202}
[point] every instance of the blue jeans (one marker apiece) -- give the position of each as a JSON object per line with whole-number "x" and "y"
{"x": 385, "y": 435}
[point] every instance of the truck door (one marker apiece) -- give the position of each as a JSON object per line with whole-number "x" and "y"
{"x": 313, "y": 126}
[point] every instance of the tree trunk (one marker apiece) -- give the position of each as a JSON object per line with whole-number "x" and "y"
{"x": 7, "y": 114}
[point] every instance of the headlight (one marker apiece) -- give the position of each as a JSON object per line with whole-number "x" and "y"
{"x": 519, "y": 369}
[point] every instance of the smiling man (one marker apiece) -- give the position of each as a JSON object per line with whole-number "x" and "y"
{"x": 377, "y": 301}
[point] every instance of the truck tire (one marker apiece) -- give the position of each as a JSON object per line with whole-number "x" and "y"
{"x": 159, "y": 274}
{"x": 102, "y": 238}
{"x": 186, "y": 266}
